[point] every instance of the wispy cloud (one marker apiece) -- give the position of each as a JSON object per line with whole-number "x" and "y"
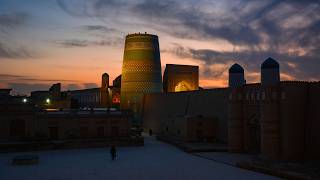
{"x": 84, "y": 43}
{"x": 19, "y": 78}
{"x": 14, "y": 53}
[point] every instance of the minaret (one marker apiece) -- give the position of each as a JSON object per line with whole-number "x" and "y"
{"x": 141, "y": 72}
{"x": 104, "y": 94}
{"x": 270, "y": 109}
{"x": 235, "y": 109}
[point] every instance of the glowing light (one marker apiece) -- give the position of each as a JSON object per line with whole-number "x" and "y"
{"x": 24, "y": 100}
{"x": 182, "y": 86}
{"x": 48, "y": 101}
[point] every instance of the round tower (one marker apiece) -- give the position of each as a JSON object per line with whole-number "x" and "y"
{"x": 104, "y": 95}
{"x": 236, "y": 76}
{"x": 141, "y": 71}
{"x": 270, "y": 109}
{"x": 270, "y": 72}
{"x": 235, "y": 121}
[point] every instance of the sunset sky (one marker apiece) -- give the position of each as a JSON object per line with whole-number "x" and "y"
{"x": 74, "y": 41}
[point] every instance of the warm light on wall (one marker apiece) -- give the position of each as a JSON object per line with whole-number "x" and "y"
{"x": 182, "y": 86}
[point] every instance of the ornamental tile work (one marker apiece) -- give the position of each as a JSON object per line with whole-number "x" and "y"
{"x": 141, "y": 71}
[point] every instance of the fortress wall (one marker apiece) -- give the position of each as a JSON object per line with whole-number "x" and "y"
{"x": 212, "y": 104}
{"x": 159, "y": 107}
{"x": 251, "y": 117}
{"x": 293, "y": 111}
{"x": 313, "y": 123}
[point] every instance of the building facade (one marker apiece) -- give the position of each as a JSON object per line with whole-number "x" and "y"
{"x": 180, "y": 78}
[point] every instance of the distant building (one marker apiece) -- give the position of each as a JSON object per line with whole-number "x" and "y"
{"x": 104, "y": 97}
{"x": 180, "y": 78}
{"x": 22, "y": 121}
{"x": 53, "y": 98}
{"x": 275, "y": 119}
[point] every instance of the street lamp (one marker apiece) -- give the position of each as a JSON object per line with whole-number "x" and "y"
{"x": 48, "y": 101}
{"x": 24, "y": 100}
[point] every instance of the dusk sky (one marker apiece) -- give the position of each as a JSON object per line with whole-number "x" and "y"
{"x": 75, "y": 41}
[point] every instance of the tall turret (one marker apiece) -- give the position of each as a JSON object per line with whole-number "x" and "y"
{"x": 270, "y": 109}
{"x": 236, "y": 76}
{"x": 270, "y": 72}
{"x": 141, "y": 71}
{"x": 104, "y": 94}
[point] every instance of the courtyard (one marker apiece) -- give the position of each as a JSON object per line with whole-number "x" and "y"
{"x": 156, "y": 160}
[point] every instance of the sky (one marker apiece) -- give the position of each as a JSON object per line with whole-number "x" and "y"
{"x": 75, "y": 41}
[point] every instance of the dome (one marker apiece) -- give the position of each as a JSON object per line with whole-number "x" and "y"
{"x": 236, "y": 68}
{"x": 270, "y": 64}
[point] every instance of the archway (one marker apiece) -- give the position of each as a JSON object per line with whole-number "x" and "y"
{"x": 182, "y": 86}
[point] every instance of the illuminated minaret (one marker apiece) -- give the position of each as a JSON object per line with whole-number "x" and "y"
{"x": 141, "y": 71}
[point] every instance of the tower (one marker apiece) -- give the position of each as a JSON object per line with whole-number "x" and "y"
{"x": 270, "y": 72}
{"x": 104, "y": 94}
{"x": 141, "y": 71}
{"x": 236, "y": 76}
{"x": 270, "y": 109}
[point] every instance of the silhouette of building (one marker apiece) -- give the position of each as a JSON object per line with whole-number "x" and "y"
{"x": 275, "y": 119}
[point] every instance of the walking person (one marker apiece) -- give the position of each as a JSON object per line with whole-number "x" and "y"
{"x": 113, "y": 152}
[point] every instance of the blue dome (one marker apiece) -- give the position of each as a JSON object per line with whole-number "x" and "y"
{"x": 236, "y": 68}
{"x": 270, "y": 64}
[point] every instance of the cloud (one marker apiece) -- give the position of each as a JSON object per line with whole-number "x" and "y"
{"x": 217, "y": 63}
{"x": 98, "y": 28}
{"x": 16, "y": 53}
{"x": 73, "y": 43}
{"x": 12, "y": 20}
{"x": 90, "y": 85}
{"x": 85, "y": 43}
{"x": 20, "y": 78}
